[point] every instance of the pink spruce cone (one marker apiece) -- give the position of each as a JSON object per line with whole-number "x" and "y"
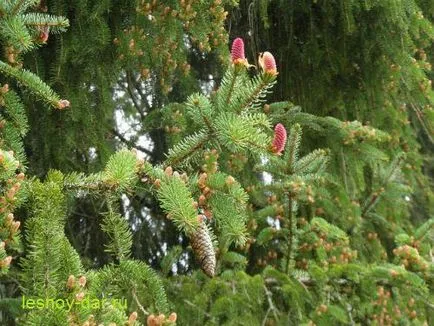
{"x": 279, "y": 140}
{"x": 268, "y": 63}
{"x": 237, "y": 51}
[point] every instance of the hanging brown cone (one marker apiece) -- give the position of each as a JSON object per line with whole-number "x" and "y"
{"x": 203, "y": 249}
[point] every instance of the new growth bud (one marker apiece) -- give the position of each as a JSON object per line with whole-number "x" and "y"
{"x": 172, "y": 317}
{"x": 71, "y": 282}
{"x": 5, "y": 262}
{"x": 132, "y": 318}
{"x": 82, "y": 281}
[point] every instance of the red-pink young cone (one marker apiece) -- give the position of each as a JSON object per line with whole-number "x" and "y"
{"x": 268, "y": 63}
{"x": 237, "y": 51}
{"x": 279, "y": 140}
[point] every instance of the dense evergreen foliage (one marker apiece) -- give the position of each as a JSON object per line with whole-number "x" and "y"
{"x": 286, "y": 182}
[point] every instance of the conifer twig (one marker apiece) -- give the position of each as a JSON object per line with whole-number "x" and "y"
{"x": 231, "y": 87}
{"x": 422, "y": 122}
{"x": 251, "y": 99}
{"x": 17, "y": 7}
{"x": 191, "y": 304}
{"x": 131, "y": 143}
{"x": 190, "y": 152}
{"x": 136, "y": 299}
{"x": 375, "y": 196}
{"x": 133, "y": 97}
{"x": 270, "y": 305}
{"x": 344, "y": 170}
{"x": 291, "y": 232}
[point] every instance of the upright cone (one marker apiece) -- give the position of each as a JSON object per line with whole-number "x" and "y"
{"x": 203, "y": 249}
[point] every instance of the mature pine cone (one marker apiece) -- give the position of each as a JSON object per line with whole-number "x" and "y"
{"x": 203, "y": 249}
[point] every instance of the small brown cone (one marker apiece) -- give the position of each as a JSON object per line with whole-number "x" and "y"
{"x": 132, "y": 318}
{"x": 203, "y": 249}
{"x": 172, "y": 317}
{"x": 71, "y": 282}
{"x": 82, "y": 281}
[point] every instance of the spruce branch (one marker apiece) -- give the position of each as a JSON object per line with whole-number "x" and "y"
{"x": 33, "y": 83}
{"x": 232, "y": 77}
{"x": 258, "y": 89}
{"x": 176, "y": 199}
{"x": 373, "y": 198}
{"x": 271, "y": 306}
{"x": 186, "y": 148}
{"x": 16, "y": 34}
{"x": 14, "y": 110}
{"x": 291, "y": 227}
{"x": 130, "y": 143}
{"x": 294, "y": 140}
{"x": 344, "y": 170}
{"x": 121, "y": 170}
{"x": 236, "y": 134}
{"x": 312, "y": 162}
{"x": 56, "y": 23}
{"x": 423, "y": 123}
{"x": 135, "y": 101}
{"x": 200, "y": 109}
{"x": 117, "y": 229}
{"x": 19, "y": 6}
{"x": 136, "y": 299}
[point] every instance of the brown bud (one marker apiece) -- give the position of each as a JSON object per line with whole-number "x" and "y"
{"x": 202, "y": 200}
{"x": 151, "y": 320}
{"x": 79, "y": 296}
{"x": 6, "y": 262}
{"x": 208, "y": 214}
{"x": 184, "y": 177}
{"x": 132, "y": 318}
{"x": 411, "y": 302}
{"x": 15, "y": 226}
{"x": 71, "y": 282}
{"x": 173, "y": 317}
{"x": 9, "y": 219}
{"x": 168, "y": 171}
{"x": 145, "y": 73}
{"x": 394, "y": 273}
{"x": 157, "y": 183}
{"x": 82, "y": 281}
{"x": 323, "y": 308}
{"x": 62, "y": 104}
{"x": 4, "y": 89}
{"x": 230, "y": 180}
{"x": 160, "y": 319}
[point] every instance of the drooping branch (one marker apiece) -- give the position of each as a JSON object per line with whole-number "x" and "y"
{"x": 131, "y": 143}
